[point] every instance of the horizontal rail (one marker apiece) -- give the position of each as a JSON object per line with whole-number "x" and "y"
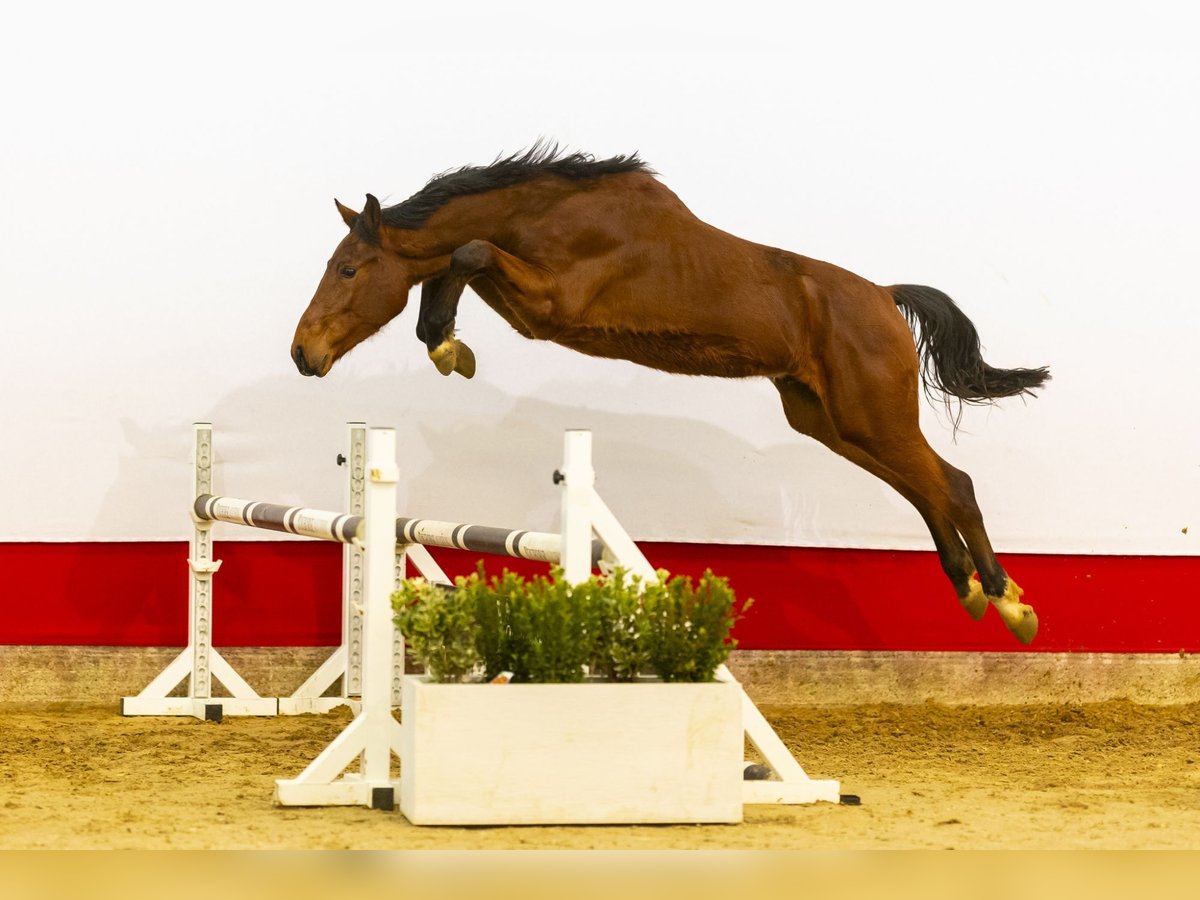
{"x": 313, "y": 523}
{"x": 344, "y": 528}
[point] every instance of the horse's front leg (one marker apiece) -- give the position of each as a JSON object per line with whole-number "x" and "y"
{"x": 429, "y": 291}
{"x": 528, "y": 292}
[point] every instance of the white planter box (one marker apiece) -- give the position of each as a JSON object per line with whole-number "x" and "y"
{"x": 593, "y": 753}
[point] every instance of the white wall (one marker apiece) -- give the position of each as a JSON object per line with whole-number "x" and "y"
{"x": 168, "y": 174}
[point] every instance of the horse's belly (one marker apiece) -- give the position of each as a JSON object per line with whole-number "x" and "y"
{"x": 677, "y": 352}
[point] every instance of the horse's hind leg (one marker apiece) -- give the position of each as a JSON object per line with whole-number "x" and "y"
{"x": 807, "y": 414}
{"x": 527, "y": 292}
{"x": 880, "y": 420}
{"x": 994, "y": 583}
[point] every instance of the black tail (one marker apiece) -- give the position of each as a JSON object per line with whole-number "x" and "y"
{"x": 952, "y": 365}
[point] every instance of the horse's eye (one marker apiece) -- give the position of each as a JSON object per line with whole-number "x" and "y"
{"x": 348, "y": 271}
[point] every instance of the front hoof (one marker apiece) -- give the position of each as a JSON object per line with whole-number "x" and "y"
{"x": 975, "y": 603}
{"x": 464, "y": 364}
{"x": 445, "y": 356}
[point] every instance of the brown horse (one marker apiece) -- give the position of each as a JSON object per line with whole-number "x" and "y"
{"x": 599, "y": 256}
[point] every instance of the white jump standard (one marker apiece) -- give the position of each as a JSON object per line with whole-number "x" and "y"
{"x": 200, "y": 661}
{"x": 378, "y": 545}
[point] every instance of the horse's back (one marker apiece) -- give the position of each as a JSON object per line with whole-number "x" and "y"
{"x": 643, "y": 278}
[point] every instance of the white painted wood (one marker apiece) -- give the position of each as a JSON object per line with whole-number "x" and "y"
{"x": 229, "y": 677}
{"x": 167, "y": 680}
{"x": 379, "y": 570}
{"x": 426, "y": 564}
{"x": 619, "y": 546}
{"x": 793, "y": 784}
{"x": 317, "y": 683}
{"x": 526, "y": 754}
{"x": 760, "y": 733}
{"x": 352, "y": 560}
{"x": 202, "y": 567}
{"x": 239, "y": 706}
{"x": 578, "y": 482}
{"x": 809, "y": 790}
{"x": 620, "y": 762}
{"x": 154, "y": 700}
{"x": 196, "y": 706}
{"x": 373, "y": 735}
{"x": 200, "y": 662}
{"x": 346, "y": 791}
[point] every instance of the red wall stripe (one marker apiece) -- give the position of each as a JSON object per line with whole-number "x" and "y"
{"x": 273, "y": 593}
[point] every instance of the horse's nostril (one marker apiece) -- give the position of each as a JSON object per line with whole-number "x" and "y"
{"x": 301, "y": 362}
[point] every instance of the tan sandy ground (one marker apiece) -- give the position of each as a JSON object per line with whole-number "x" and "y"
{"x": 1113, "y": 775}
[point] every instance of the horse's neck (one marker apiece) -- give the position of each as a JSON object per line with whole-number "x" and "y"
{"x": 467, "y": 218}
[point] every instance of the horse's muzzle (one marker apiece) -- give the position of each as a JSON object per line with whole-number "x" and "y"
{"x": 302, "y": 363}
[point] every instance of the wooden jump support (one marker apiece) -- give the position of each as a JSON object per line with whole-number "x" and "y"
{"x": 370, "y": 659}
{"x": 200, "y": 662}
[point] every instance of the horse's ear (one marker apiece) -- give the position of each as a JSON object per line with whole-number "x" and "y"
{"x": 348, "y": 215}
{"x": 371, "y": 217}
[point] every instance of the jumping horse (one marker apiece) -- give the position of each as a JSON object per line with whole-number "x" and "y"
{"x": 601, "y": 257}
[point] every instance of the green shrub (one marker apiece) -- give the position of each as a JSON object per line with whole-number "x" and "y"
{"x": 439, "y": 627}
{"x": 689, "y": 626}
{"x": 552, "y": 634}
{"x": 622, "y": 650}
{"x": 492, "y": 605}
{"x": 542, "y": 629}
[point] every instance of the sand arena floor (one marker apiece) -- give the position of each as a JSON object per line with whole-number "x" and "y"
{"x": 1112, "y": 775}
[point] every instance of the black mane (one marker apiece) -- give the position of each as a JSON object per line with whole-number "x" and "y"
{"x": 540, "y": 159}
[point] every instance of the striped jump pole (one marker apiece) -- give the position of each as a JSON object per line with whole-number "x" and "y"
{"x": 344, "y": 528}
{"x": 200, "y": 663}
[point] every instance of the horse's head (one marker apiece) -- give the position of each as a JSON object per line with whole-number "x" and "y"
{"x": 364, "y": 287}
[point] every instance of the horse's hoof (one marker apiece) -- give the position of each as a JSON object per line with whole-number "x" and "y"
{"x": 1018, "y": 617}
{"x": 975, "y": 603}
{"x": 445, "y": 356}
{"x": 464, "y": 364}
{"x": 1026, "y": 630}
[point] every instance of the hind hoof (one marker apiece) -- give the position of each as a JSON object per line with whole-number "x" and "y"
{"x": 975, "y": 603}
{"x": 1025, "y": 630}
{"x": 445, "y": 356}
{"x": 1018, "y": 617}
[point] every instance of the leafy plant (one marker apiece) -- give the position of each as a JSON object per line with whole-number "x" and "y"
{"x": 440, "y": 628}
{"x": 689, "y": 625}
{"x": 492, "y": 604}
{"x": 617, "y": 626}
{"x": 553, "y": 634}
{"x": 622, "y": 650}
